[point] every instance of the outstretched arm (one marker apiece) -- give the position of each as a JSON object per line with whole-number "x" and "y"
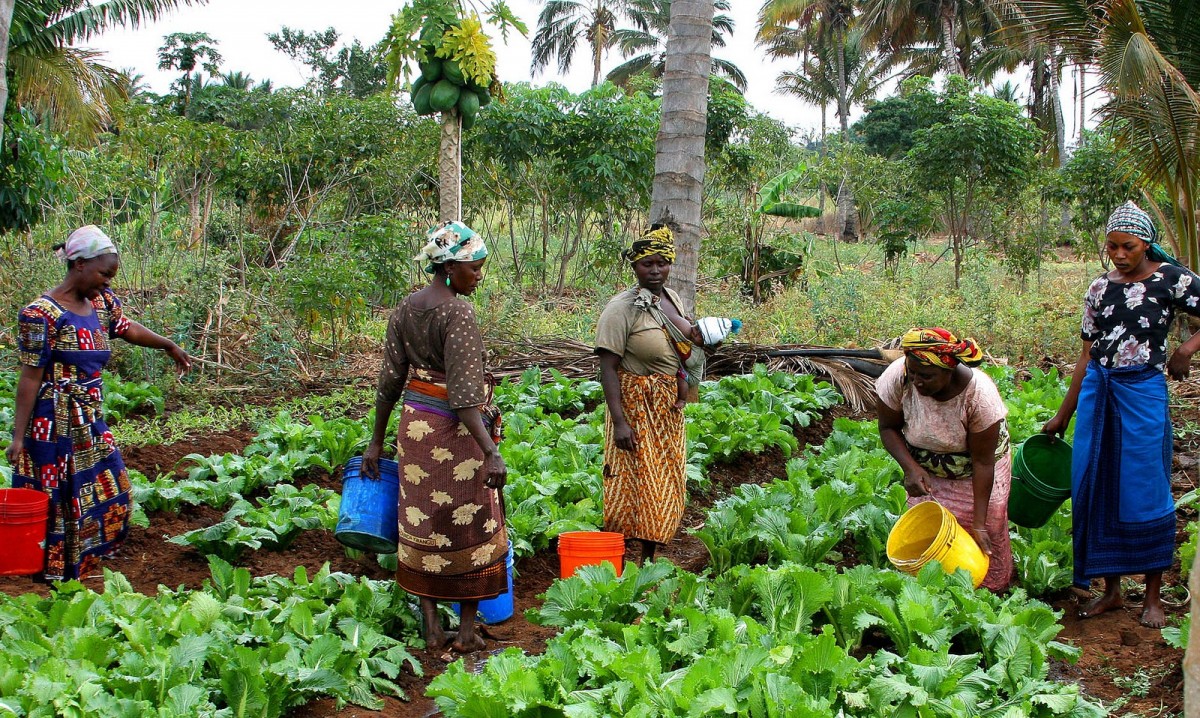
{"x": 143, "y": 337}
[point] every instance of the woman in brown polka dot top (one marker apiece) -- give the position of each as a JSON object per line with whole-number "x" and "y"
{"x": 452, "y": 539}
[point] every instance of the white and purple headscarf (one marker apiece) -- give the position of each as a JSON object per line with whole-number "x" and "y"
{"x": 85, "y": 243}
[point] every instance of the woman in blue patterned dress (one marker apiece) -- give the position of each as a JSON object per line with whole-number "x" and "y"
{"x": 61, "y": 444}
{"x": 1123, "y": 514}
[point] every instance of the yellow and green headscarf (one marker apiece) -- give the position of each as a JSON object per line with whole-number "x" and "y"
{"x": 939, "y": 347}
{"x": 659, "y": 240}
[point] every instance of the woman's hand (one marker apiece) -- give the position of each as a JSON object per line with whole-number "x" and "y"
{"x": 1057, "y": 426}
{"x": 495, "y": 471}
{"x": 14, "y": 450}
{"x": 183, "y": 362}
{"x": 916, "y": 482}
{"x": 1180, "y": 363}
{"x": 370, "y": 461}
{"x": 983, "y": 539}
{"x": 623, "y": 436}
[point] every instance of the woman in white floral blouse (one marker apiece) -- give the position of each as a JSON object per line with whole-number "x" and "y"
{"x": 1123, "y": 512}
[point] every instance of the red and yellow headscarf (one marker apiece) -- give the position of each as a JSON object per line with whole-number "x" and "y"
{"x": 938, "y": 347}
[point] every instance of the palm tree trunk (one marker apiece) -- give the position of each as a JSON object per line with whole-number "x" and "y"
{"x": 6, "y": 13}
{"x": 823, "y": 189}
{"x": 846, "y": 224}
{"x": 597, "y": 56}
{"x": 450, "y": 169}
{"x": 1060, "y": 130}
{"x": 1082, "y": 98}
{"x": 679, "y": 149}
{"x": 950, "y": 37}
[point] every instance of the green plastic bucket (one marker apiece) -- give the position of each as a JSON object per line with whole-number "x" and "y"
{"x": 1041, "y": 473}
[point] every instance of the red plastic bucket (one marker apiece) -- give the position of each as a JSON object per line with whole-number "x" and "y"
{"x": 589, "y": 548}
{"x": 24, "y": 514}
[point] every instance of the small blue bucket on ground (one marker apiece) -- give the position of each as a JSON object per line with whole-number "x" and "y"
{"x": 367, "y": 516}
{"x": 500, "y": 608}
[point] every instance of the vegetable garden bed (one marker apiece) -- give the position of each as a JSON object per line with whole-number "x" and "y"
{"x": 1129, "y": 667}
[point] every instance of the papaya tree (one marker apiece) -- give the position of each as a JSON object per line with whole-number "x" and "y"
{"x": 456, "y": 73}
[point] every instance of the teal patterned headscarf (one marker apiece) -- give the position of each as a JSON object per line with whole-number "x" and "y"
{"x": 1132, "y": 219}
{"x": 451, "y": 242}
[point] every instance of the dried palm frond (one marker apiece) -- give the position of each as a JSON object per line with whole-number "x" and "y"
{"x": 853, "y": 377}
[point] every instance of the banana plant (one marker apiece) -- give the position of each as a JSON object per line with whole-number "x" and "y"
{"x": 771, "y": 203}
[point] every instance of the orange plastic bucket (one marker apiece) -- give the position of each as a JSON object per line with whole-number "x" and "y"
{"x": 24, "y": 514}
{"x": 589, "y": 548}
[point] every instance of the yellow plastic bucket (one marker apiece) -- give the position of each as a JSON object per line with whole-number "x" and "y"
{"x": 929, "y": 532}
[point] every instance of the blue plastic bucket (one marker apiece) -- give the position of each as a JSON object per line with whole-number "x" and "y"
{"x": 500, "y": 608}
{"x": 367, "y": 516}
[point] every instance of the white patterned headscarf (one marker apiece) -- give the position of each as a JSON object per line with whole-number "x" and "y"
{"x": 451, "y": 242}
{"x": 1132, "y": 219}
{"x": 85, "y": 243}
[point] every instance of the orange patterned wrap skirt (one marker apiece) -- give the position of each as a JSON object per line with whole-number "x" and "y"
{"x": 645, "y": 489}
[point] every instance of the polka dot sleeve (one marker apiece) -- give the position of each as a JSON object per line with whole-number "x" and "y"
{"x": 394, "y": 371}
{"x": 466, "y": 378}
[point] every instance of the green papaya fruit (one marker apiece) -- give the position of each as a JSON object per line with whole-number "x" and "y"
{"x": 417, "y": 83}
{"x": 468, "y": 103}
{"x": 432, "y": 70}
{"x": 444, "y": 95}
{"x": 468, "y": 121}
{"x": 485, "y": 97}
{"x": 421, "y": 100}
{"x": 453, "y": 72}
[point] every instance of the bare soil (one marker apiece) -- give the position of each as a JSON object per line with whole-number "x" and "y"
{"x": 1120, "y": 658}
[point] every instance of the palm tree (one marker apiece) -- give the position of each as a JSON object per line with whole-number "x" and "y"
{"x": 642, "y": 44}
{"x": 1147, "y": 58}
{"x": 563, "y": 24}
{"x": 1007, "y": 92}
{"x": 817, "y": 80}
{"x": 932, "y": 35}
{"x": 791, "y": 28}
{"x": 678, "y": 186}
{"x": 237, "y": 80}
{"x": 68, "y": 86}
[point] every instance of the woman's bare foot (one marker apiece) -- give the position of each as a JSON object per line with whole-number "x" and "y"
{"x": 435, "y": 639}
{"x": 467, "y": 644}
{"x": 1108, "y": 602}
{"x": 431, "y": 625}
{"x": 1153, "y": 615}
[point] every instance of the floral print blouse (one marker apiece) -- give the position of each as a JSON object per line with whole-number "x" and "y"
{"x": 1128, "y": 321}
